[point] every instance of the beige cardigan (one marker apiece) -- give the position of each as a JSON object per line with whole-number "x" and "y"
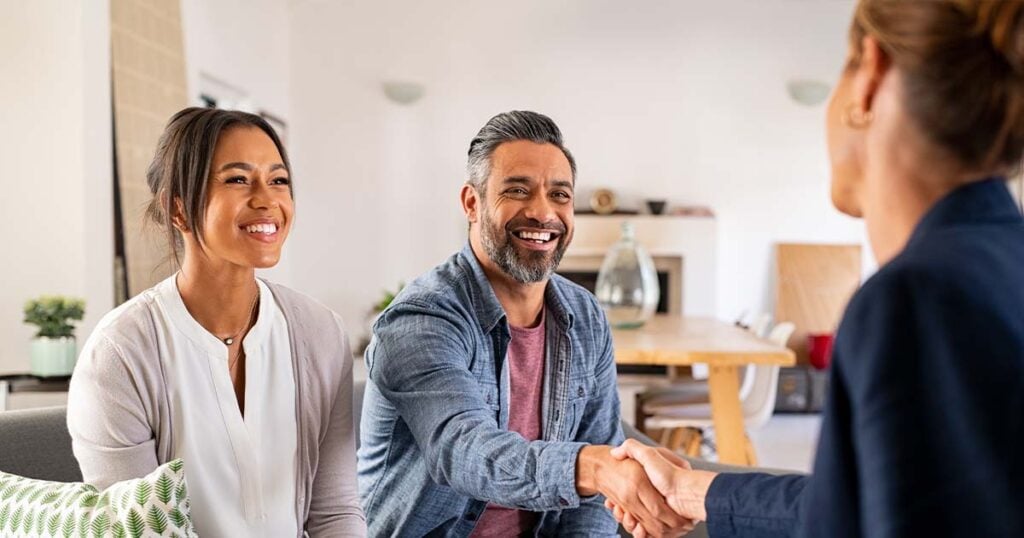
{"x": 119, "y": 414}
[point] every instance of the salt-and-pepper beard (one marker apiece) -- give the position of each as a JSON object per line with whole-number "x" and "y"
{"x": 535, "y": 266}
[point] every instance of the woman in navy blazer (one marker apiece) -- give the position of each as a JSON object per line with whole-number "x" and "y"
{"x": 923, "y": 431}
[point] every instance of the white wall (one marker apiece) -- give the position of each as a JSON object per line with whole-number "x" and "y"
{"x": 243, "y": 43}
{"x": 55, "y": 147}
{"x": 680, "y": 100}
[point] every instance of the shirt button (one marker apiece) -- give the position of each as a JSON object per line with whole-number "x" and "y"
{"x": 580, "y": 392}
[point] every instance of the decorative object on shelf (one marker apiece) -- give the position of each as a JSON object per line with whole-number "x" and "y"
{"x": 603, "y": 201}
{"x": 53, "y": 350}
{"x": 656, "y": 207}
{"x": 627, "y": 284}
{"x": 693, "y": 211}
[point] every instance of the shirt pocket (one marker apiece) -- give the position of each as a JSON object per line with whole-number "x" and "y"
{"x": 579, "y": 396}
{"x": 489, "y": 394}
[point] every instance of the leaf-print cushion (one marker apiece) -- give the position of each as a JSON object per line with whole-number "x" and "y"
{"x": 155, "y": 505}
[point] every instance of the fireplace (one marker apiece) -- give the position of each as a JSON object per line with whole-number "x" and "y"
{"x": 669, "y": 272}
{"x": 670, "y": 241}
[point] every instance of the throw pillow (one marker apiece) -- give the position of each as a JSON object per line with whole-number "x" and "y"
{"x": 155, "y": 505}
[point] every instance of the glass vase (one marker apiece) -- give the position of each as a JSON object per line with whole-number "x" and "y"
{"x": 627, "y": 284}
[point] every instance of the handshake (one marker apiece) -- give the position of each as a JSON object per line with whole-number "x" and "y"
{"x": 651, "y": 491}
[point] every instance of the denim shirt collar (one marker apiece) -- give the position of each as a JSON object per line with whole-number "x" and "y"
{"x": 490, "y": 312}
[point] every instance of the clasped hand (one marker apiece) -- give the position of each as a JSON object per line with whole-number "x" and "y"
{"x": 678, "y": 489}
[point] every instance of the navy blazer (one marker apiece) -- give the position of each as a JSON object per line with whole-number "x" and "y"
{"x": 923, "y": 430}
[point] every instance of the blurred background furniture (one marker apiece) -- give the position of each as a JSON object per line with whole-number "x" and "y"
{"x": 684, "y": 422}
{"x": 671, "y": 340}
{"x": 25, "y": 383}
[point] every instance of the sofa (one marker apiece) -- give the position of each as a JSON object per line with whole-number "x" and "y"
{"x": 35, "y": 443}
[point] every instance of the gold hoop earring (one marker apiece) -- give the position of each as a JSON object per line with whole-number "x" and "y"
{"x": 855, "y": 117}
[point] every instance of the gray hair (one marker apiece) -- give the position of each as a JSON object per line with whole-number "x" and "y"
{"x": 509, "y": 127}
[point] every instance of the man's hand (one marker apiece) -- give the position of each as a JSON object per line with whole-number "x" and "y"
{"x": 683, "y": 489}
{"x": 624, "y": 483}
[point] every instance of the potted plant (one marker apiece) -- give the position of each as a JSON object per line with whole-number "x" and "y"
{"x": 53, "y": 350}
{"x": 387, "y": 296}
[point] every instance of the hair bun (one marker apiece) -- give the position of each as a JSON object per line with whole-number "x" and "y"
{"x": 1002, "y": 21}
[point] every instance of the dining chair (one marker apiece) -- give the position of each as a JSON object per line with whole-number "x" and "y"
{"x": 683, "y": 425}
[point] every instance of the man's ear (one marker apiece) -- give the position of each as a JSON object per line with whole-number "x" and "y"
{"x": 470, "y": 203}
{"x": 874, "y": 65}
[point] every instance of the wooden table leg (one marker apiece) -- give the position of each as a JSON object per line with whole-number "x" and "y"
{"x": 727, "y": 414}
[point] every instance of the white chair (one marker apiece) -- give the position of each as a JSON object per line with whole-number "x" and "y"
{"x": 694, "y": 390}
{"x": 692, "y": 418}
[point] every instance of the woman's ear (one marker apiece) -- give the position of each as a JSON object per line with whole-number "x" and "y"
{"x": 178, "y": 214}
{"x": 873, "y": 67}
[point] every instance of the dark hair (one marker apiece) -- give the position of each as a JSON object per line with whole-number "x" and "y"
{"x": 963, "y": 67}
{"x": 509, "y": 127}
{"x": 180, "y": 169}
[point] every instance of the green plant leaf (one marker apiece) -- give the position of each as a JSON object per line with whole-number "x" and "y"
{"x": 71, "y": 499}
{"x": 177, "y": 518}
{"x": 88, "y": 500}
{"x": 5, "y": 516}
{"x": 53, "y": 524}
{"x": 38, "y": 492}
{"x": 142, "y": 492}
{"x": 69, "y": 525}
{"x": 51, "y": 496}
{"x": 117, "y": 530}
{"x": 176, "y": 465}
{"x": 53, "y": 314}
{"x": 83, "y": 525}
{"x": 25, "y": 491}
{"x": 10, "y": 491}
{"x": 164, "y": 489}
{"x": 134, "y": 524}
{"x": 181, "y": 493}
{"x": 100, "y": 525}
{"x": 29, "y": 520}
{"x": 157, "y": 520}
{"x": 103, "y": 501}
{"x": 16, "y": 518}
{"x": 41, "y": 522}
{"x": 126, "y": 497}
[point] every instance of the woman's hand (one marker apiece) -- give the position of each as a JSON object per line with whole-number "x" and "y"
{"x": 683, "y": 488}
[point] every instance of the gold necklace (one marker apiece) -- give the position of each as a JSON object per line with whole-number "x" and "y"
{"x": 231, "y": 339}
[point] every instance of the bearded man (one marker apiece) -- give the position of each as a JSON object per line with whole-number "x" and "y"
{"x": 491, "y": 398}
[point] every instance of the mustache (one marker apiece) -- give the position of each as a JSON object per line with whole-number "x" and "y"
{"x": 554, "y": 226}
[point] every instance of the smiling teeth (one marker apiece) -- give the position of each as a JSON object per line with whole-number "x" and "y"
{"x": 261, "y": 228}
{"x": 536, "y": 236}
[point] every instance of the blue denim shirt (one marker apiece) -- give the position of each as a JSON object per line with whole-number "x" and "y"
{"x": 435, "y": 446}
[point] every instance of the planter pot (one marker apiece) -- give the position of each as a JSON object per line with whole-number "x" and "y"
{"x": 53, "y": 356}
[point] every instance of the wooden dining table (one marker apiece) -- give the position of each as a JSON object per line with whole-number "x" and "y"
{"x": 672, "y": 340}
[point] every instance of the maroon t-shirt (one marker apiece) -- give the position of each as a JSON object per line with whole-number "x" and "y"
{"x": 525, "y": 363}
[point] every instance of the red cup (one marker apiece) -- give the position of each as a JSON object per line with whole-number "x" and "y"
{"x": 820, "y": 349}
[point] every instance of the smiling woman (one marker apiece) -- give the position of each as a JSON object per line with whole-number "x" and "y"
{"x": 248, "y": 382}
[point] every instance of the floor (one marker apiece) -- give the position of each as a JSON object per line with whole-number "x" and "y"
{"x": 787, "y": 442}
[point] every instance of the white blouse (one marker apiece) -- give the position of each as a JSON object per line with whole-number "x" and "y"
{"x": 240, "y": 470}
